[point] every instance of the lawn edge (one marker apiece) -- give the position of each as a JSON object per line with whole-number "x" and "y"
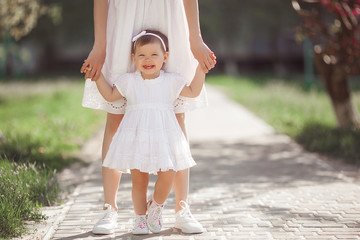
{"x": 89, "y": 153}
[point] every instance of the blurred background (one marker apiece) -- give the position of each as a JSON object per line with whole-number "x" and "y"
{"x": 55, "y": 36}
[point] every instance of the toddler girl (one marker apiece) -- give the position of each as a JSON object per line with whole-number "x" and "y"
{"x": 149, "y": 138}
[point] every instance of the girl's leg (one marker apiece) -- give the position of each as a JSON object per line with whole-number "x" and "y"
{"x": 156, "y": 205}
{"x": 140, "y": 182}
{"x": 163, "y": 186}
{"x": 181, "y": 181}
{"x": 111, "y": 177}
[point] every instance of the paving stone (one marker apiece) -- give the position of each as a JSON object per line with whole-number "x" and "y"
{"x": 249, "y": 183}
{"x": 346, "y": 237}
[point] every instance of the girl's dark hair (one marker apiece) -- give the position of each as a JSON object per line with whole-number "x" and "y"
{"x": 150, "y": 39}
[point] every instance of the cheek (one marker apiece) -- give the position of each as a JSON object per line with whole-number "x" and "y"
{"x": 160, "y": 60}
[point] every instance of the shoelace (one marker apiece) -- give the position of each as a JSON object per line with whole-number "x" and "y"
{"x": 157, "y": 213}
{"x": 185, "y": 206}
{"x": 110, "y": 213}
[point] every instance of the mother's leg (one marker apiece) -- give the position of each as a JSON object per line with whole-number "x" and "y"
{"x": 111, "y": 177}
{"x": 184, "y": 219}
{"x": 181, "y": 182}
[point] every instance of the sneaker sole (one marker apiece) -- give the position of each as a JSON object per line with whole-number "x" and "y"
{"x": 152, "y": 230}
{"x": 104, "y": 231}
{"x": 188, "y": 232}
{"x": 140, "y": 233}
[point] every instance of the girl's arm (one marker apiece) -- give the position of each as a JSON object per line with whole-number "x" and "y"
{"x": 110, "y": 94}
{"x": 200, "y": 50}
{"x": 194, "y": 89}
{"x": 97, "y": 55}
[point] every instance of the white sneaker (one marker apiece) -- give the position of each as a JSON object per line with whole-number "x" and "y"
{"x": 108, "y": 223}
{"x": 185, "y": 221}
{"x": 154, "y": 217}
{"x": 140, "y": 225}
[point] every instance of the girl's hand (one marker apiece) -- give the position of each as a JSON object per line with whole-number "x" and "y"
{"x": 87, "y": 69}
{"x": 93, "y": 64}
{"x": 203, "y": 55}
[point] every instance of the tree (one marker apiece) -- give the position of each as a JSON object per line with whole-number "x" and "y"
{"x": 333, "y": 27}
{"x": 17, "y": 19}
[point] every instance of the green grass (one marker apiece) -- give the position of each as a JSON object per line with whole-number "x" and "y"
{"x": 46, "y": 128}
{"x": 24, "y": 188}
{"x": 304, "y": 114}
{"x": 43, "y": 126}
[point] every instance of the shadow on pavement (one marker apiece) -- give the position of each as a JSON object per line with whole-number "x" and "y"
{"x": 256, "y": 166}
{"x": 129, "y": 235}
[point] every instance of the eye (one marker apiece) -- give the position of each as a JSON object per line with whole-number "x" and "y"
{"x": 154, "y": 54}
{"x": 141, "y": 55}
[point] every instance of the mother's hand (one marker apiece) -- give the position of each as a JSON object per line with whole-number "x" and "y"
{"x": 94, "y": 63}
{"x": 203, "y": 55}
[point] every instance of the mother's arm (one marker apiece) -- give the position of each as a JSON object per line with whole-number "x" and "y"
{"x": 200, "y": 50}
{"x": 96, "y": 58}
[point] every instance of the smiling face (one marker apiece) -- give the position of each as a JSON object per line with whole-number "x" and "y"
{"x": 149, "y": 59}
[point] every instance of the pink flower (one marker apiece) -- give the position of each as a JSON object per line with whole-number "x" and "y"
{"x": 356, "y": 11}
{"x": 326, "y": 2}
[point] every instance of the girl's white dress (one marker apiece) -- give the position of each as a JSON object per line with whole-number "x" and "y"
{"x": 149, "y": 137}
{"x": 127, "y": 18}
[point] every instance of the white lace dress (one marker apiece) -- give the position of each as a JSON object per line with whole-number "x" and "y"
{"x": 149, "y": 137}
{"x": 126, "y": 18}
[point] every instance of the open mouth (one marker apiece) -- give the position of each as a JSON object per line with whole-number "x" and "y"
{"x": 147, "y": 67}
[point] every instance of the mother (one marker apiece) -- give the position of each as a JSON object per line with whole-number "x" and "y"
{"x": 115, "y": 23}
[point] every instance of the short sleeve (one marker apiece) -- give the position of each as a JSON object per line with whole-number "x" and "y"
{"x": 178, "y": 82}
{"x": 122, "y": 84}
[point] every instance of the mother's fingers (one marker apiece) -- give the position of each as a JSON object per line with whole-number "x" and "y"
{"x": 213, "y": 57}
{"x": 203, "y": 67}
{"x": 85, "y": 64}
{"x": 90, "y": 73}
{"x": 87, "y": 73}
{"x": 211, "y": 62}
{"x": 96, "y": 72}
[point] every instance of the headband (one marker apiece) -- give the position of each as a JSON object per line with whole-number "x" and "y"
{"x": 144, "y": 33}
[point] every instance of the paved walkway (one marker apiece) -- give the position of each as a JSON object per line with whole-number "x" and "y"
{"x": 249, "y": 183}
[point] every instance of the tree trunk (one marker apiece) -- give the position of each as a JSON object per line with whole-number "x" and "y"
{"x": 337, "y": 85}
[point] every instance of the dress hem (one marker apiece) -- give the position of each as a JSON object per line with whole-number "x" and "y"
{"x": 154, "y": 171}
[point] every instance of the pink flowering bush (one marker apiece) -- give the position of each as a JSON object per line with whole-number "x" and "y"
{"x": 333, "y": 25}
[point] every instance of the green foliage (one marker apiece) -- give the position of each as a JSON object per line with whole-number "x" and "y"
{"x": 27, "y": 148}
{"x": 18, "y": 18}
{"x": 305, "y": 115}
{"x": 342, "y": 143}
{"x": 46, "y": 128}
{"x": 333, "y": 26}
{"x": 24, "y": 188}
{"x": 41, "y": 133}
